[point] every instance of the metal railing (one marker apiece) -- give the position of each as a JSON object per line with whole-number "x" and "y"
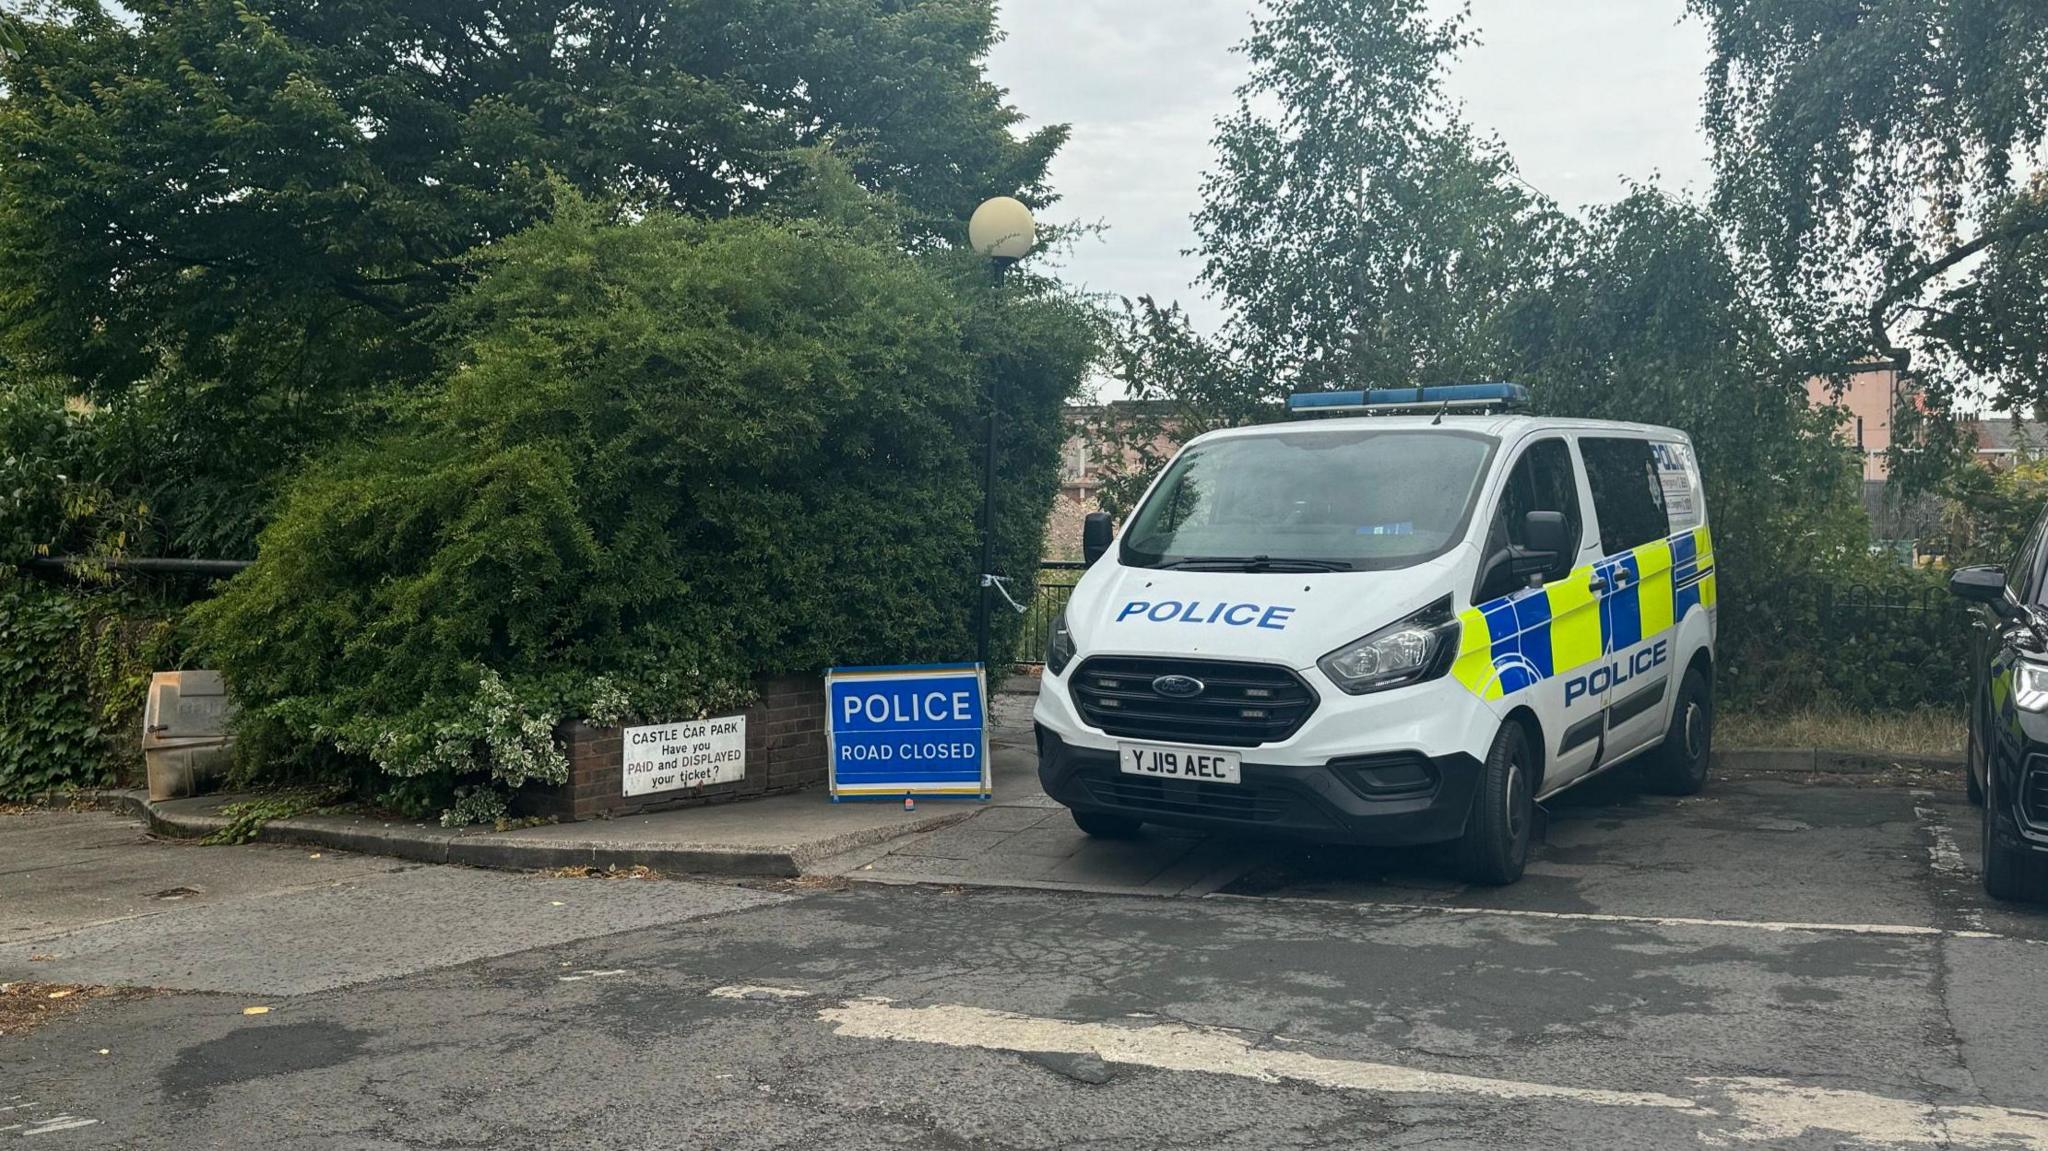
{"x": 1858, "y": 606}
{"x": 1049, "y": 591}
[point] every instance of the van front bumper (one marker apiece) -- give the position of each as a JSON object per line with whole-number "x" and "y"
{"x": 1388, "y": 798}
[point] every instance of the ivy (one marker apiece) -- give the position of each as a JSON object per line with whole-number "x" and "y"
{"x": 74, "y": 671}
{"x": 48, "y": 734}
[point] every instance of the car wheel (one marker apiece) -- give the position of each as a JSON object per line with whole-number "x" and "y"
{"x": 2011, "y": 873}
{"x": 1679, "y": 765}
{"x": 1503, "y": 817}
{"x": 1102, "y": 825}
{"x": 1971, "y": 787}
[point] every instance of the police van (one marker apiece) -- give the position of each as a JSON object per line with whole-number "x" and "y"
{"x": 1407, "y": 623}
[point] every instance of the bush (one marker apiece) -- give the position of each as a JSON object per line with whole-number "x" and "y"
{"x": 1986, "y": 514}
{"x": 1867, "y": 637}
{"x": 665, "y": 457}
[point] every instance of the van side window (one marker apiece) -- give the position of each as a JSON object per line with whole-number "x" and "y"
{"x": 1627, "y": 495}
{"x": 1678, "y": 477}
{"x": 1542, "y": 481}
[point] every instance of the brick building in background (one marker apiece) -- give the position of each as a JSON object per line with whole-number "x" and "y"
{"x": 1868, "y": 399}
{"x": 1095, "y": 446}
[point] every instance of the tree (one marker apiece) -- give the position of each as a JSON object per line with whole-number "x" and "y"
{"x": 662, "y": 458}
{"x": 227, "y": 219}
{"x": 1357, "y": 233}
{"x": 1356, "y": 230}
{"x": 1875, "y": 156}
{"x": 1649, "y": 318}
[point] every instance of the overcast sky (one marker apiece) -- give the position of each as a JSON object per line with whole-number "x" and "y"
{"x": 1586, "y": 94}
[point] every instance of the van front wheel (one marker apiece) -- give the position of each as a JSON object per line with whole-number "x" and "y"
{"x": 1679, "y": 765}
{"x": 1503, "y": 816}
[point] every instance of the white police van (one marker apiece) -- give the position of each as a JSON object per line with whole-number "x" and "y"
{"x": 1391, "y": 629}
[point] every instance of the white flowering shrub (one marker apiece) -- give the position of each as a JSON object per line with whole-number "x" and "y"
{"x": 609, "y": 704}
{"x": 497, "y": 734}
{"x": 474, "y": 805}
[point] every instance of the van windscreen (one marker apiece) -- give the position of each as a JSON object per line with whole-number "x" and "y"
{"x": 1349, "y": 500}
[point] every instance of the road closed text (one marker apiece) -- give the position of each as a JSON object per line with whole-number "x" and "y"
{"x": 910, "y": 751}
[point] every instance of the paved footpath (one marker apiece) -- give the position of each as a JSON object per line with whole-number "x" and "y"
{"x": 1773, "y": 964}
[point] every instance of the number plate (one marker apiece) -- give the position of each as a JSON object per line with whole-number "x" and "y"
{"x": 1162, "y": 761}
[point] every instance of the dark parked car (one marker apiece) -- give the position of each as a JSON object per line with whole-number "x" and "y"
{"x": 2008, "y": 741}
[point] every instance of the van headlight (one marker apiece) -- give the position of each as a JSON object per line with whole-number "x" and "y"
{"x": 2030, "y": 686}
{"x": 1407, "y": 651}
{"x": 1059, "y": 644}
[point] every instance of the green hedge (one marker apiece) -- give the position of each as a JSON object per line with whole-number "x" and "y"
{"x": 665, "y": 457}
{"x": 1874, "y": 637}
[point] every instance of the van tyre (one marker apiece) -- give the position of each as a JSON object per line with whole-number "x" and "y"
{"x": 1971, "y": 788}
{"x": 1503, "y": 817}
{"x": 2014, "y": 874}
{"x": 1103, "y": 825}
{"x": 1679, "y": 765}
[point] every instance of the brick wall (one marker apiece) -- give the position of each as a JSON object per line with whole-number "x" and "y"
{"x": 785, "y": 752}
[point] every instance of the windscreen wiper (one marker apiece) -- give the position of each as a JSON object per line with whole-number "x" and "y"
{"x": 1254, "y": 564}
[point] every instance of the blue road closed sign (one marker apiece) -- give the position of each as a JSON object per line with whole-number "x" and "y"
{"x": 907, "y": 731}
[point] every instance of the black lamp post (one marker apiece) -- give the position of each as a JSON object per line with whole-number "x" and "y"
{"x": 1002, "y": 230}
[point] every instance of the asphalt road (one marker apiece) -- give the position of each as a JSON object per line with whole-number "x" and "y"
{"x": 1774, "y": 964}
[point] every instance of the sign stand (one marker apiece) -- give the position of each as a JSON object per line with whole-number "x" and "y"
{"x": 911, "y": 732}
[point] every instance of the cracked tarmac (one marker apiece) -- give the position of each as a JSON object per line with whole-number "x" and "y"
{"x": 1772, "y": 964}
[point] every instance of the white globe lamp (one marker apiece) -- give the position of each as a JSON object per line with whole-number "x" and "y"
{"x": 1002, "y": 229}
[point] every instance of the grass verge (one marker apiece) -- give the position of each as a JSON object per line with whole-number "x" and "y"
{"x": 1927, "y": 731}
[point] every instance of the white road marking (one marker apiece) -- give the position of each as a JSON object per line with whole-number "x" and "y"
{"x": 58, "y": 1123}
{"x": 580, "y": 976}
{"x": 1896, "y": 929}
{"x": 1942, "y": 852}
{"x": 1947, "y": 860}
{"x": 1728, "y": 1110}
{"x": 742, "y": 992}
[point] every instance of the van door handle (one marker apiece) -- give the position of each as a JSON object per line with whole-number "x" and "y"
{"x": 1597, "y": 585}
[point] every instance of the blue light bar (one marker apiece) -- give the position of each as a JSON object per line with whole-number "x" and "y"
{"x": 1411, "y": 399}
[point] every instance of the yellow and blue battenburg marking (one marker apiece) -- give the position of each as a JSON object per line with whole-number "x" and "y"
{"x": 1519, "y": 640}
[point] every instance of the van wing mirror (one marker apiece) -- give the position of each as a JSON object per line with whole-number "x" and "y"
{"x": 1549, "y": 538}
{"x": 1096, "y": 534}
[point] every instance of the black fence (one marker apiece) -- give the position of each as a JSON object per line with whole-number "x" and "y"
{"x": 1049, "y": 594}
{"x": 1871, "y": 647}
{"x": 1860, "y": 607}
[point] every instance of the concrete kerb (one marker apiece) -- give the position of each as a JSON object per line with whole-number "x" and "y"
{"x": 546, "y": 848}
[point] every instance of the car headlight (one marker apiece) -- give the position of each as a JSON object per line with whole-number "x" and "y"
{"x": 2030, "y": 686}
{"x": 1407, "y": 651}
{"x": 1059, "y": 644}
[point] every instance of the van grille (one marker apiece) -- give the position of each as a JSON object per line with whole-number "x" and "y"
{"x": 1240, "y": 705}
{"x": 1170, "y": 797}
